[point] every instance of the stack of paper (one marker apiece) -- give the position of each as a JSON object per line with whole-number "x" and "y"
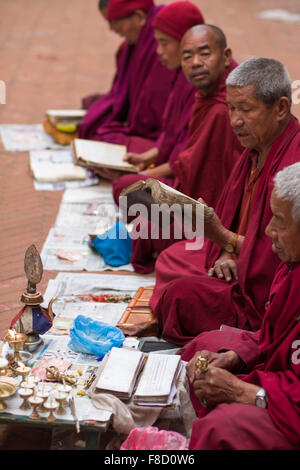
{"x": 52, "y": 172}
{"x": 157, "y": 385}
{"x": 120, "y": 372}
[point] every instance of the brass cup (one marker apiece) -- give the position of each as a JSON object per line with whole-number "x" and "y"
{"x": 16, "y": 344}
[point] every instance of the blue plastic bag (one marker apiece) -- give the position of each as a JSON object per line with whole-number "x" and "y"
{"x": 114, "y": 245}
{"x": 94, "y": 337}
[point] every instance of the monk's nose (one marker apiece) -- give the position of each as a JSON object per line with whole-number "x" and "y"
{"x": 197, "y": 61}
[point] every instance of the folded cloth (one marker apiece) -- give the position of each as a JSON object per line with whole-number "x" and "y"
{"x": 114, "y": 245}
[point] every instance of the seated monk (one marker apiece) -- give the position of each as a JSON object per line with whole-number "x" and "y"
{"x": 205, "y": 164}
{"x": 258, "y": 409}
{"x": 142, "y": 84}
{"x": 228, "y": 280}
{"x": 170, "y": 24}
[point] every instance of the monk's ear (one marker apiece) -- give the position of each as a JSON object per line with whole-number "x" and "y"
{"x": 141, "y": 17}
{"x": 228, "y": 56}
{"x": 283, "y": 108}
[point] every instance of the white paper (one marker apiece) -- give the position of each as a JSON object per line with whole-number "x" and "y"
{"x": 24, "y": 138}
{"x": 101, "y": 152}
{"x": 158, "y": 375}
{"x": 67, "y": 284}
{"x": 61, "y": 157}
{"x": 109, "y": 313}
{"x": 101, "y": 193}
{"x": 120, "y": 370}
{"x": 280, "y": 15}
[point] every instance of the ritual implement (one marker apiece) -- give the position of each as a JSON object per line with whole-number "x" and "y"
{"x": 202, "y": 364}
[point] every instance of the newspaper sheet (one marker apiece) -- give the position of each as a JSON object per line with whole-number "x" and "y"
{"x": 57, "y": 157}
{"x": 24, "y": 137}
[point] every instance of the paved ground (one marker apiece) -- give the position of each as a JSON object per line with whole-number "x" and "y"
{"x": 51, "y": 54}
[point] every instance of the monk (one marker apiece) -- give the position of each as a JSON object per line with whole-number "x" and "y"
{"x": 170, "y": 24}
{"x": 142, "y": 84}
{"x": 227, "y": 281}
{"x": 258, "y": 409}
{"x": 212, "y": 149}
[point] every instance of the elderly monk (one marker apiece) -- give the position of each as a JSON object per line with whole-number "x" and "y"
{"x": 142, "y": 84}
{"x": 212, "y": 149}
{"x": 227, "y": 282}
{"x": 260, "y": 408}
{"x": 170, "y": 24}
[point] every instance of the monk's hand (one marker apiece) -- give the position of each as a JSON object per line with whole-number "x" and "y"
{"x": 141, "y": 160}
{"x": 221, "y": 386}
{"x": 136, "y": 159}
{"x": 213, "y": 228}
{"x": 228, "y": 360}
{"x": 108, "y": 174}
{"x": 224, "y": 268}
{"x": 140, "y": 329}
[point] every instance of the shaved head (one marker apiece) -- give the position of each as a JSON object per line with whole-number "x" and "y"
{"x": 218, "y": 33}
{"x": 205, "y": 57}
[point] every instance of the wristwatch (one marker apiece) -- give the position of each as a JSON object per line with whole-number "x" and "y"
{"x": 261, "y": 398}
{"x": 230, "y": 247}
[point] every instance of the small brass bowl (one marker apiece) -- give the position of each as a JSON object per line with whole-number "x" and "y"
{"x": 6, "y": 391}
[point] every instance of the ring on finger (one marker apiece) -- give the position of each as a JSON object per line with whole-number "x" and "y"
{"x": 223, "y": 263}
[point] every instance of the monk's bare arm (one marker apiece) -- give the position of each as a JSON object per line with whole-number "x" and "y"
{"x": 160, "y": 171}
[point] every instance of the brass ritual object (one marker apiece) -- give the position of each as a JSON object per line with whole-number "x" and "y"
{"x": 202, "y": 364}
{"x": 6, "y": 391}
{"x": 33, "y": 268}
{"x": 51, "y": 405}
{"x": 35, "y": 402}
{"x": 25, "y": 393}
{"x": 60, "y": 397}
{"x": 53, "y": 373}
{"x": 16, "y": 342}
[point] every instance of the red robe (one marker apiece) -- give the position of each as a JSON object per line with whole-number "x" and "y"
{"x": 174, "y": 132}
{"x": 186, "y": 300}
{"x": 204, "y": 165}
{"x": 272, "y": 361}
{"x": 135, "y": 105}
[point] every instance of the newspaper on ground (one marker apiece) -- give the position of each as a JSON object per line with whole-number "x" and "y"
{"x": 26, "y": 137}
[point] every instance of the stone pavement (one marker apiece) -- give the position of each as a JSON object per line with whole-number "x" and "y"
{"x": 52, "y": 53}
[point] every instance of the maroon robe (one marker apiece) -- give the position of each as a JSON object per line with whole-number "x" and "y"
{"x": 174, "y": 133}
{"x": 135, "y": 105}
{"x": 186, "y": 300}
{"x": 271, "y": 359}
{"x": 204, "y": 165}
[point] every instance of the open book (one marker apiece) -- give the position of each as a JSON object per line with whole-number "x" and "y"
{"x": 93, "y": 153}
{"x": 156, "y": 385}
{"x": 120, "y": 372}
{"x": 65, "y": 116}
{"x": 153, "y": 191}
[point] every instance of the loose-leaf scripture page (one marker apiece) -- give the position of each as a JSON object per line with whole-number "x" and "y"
{"x": 101, "y": 154}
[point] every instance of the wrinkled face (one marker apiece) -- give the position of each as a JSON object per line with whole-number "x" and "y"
{"x": 202, "y": 60}
{"x": 168, "y": 49}
{"x": 254, "y": 123}
{"x": 128, "y": 28}
{"x": 283, "y": 230}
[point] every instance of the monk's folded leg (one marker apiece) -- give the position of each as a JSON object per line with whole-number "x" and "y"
{"x": 193, "y": 304}
{"x": 237, "y": 427}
